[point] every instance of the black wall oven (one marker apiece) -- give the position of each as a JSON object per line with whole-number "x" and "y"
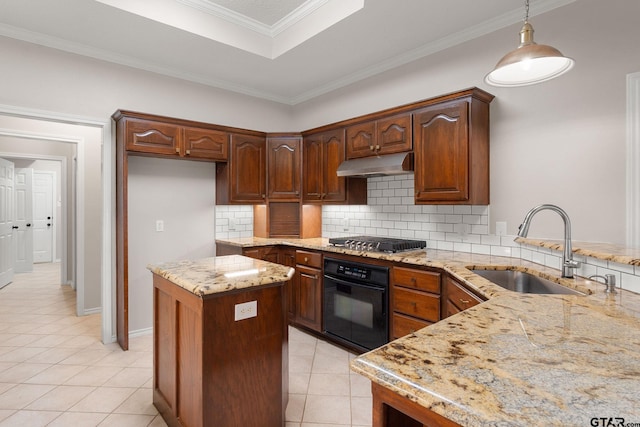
{"x": 355, "y": 303}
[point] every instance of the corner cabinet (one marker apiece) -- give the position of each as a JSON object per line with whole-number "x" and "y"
{"x": 243, "y": 179}
{"x": 322, "y": 153}
{"x": 451, "y": 144}
{"x": 283, "y": 167}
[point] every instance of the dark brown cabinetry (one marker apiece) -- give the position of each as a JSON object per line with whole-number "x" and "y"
{"x": 457, "y": 297}
{"x": 208, "y": 368}
{"x": 243, "y": 179}
{"x": 265, "y": 253}
{"x": 384, "y": 136}
{"x": 168, "y": 139}
{"x": 322, "y": 153}
{"x": 288, "y": 258}
{"x": 284, "y": 155}
{"x": 451, "y": 144}
{"x": 415, "y": 300}
{"x": 308, "y": 283}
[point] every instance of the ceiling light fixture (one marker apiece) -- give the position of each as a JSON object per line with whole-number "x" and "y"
{"x": 530, "y": 63}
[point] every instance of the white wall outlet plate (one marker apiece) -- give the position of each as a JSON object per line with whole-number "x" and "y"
{"x": 232, "y": 224}
{"x": 246, "y": 310}
{"x": 501, "y": 228}
{"x": 159, "y": 225}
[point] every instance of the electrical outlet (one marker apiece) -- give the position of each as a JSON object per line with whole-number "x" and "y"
{"x": 232, "y": 224}
{"x": 462, "y": 230}
{"x": 347, "y": 224}
{"x": 501, "y": 228}
{"x": 246, "y": 310}
{"x": 159, "y": 225}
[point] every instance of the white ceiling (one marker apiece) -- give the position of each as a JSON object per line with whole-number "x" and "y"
{"x": 288, "y": 51}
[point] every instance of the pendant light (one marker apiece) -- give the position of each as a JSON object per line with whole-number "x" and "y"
{"x": 530, "y": 63}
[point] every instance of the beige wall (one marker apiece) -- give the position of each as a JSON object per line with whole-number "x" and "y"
{"x": 560, "y": 142}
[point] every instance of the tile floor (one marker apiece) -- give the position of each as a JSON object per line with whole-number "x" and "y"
{"x": 54, "y": 371}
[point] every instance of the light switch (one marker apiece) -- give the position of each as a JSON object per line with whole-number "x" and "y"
{"x": 246, "y": 310}
{"x": 159, "y": 225}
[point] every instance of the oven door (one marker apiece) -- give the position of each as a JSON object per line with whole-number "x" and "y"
{"x": 355, "y": 312}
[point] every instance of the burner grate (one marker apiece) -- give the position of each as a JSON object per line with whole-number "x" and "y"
{"x": 378, "y": 244}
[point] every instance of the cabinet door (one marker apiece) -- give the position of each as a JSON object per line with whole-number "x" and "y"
{"x": 247, "y": 169}
{"x": 283, "y": 167}
{"x": 309, "y": 309}
{"x": 394, "y": 134}
{"x": 313, "y": 168}
{"x": 148, "y": 136}
{"x": 205, "y": 144}
{"x": 442, "y": 152}
{"x": 288, "y": 258}
{"x": 334, "y": 187}
{"x": 459, "y": 296}
{"x": 360, "y": 140}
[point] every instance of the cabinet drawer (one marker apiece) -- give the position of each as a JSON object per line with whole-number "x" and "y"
{"x": 403, "y": 325}
{"x": 311, "y": 259}
{"x": 416, "y": 304}
{"x": 417, "y": 279}
{"x": 460, "y": 297}
{"x": 450, "y": 309}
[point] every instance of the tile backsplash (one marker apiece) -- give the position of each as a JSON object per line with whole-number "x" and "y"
{"x": 391, "y": 212}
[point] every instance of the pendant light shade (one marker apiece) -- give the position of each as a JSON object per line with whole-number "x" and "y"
{"x": 530, "y": 63}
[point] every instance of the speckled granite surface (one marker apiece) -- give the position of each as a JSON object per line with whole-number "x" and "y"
{"x": 221, "y": 274}
{"x": 516, "y": 359}
{"x": 603, "y": 251}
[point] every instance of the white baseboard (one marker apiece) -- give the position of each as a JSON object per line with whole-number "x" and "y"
{"x": 140, "y": 332}
{"x": 95, "y": 310}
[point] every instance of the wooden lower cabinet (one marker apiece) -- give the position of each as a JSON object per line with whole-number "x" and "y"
{"x": 457, "y": 297}
{"x": 288, "y": 258}
{"x": 415, "y": 300}
{"x": 392, "y": 410}
{"x": 308, "y": 284}
{"x": 210, "y": 370}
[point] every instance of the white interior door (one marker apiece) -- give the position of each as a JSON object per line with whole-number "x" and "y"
{"x": 43, "y": 197}
{"x": 24, "y": 220}
{"x": 6, "y": 222}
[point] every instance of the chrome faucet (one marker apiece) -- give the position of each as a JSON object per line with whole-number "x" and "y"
{"x": 568, "y": 263}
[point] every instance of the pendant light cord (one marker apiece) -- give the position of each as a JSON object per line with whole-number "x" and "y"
{"x": 526, "y": 11}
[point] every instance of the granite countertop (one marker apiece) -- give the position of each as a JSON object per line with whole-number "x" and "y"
{"x": 221, "y": 274}
{"x": 516, "y": 359}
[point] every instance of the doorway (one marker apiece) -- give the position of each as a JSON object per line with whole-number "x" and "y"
{"x": 43, "y": 211}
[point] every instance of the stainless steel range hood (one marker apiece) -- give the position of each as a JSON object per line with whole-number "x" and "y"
{"x": 388, "y": 164}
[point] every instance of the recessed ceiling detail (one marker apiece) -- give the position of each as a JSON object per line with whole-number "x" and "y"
{"x": 208, "y": 19}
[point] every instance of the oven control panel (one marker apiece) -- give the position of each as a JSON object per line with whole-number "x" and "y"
{"x": 354, "y": 271}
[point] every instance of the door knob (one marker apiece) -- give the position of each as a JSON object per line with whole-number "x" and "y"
{"x": 28, "y": 224}
{"x": 15, "y": 227}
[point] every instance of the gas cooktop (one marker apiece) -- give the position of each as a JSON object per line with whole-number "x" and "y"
{"x": 377, "y": 244}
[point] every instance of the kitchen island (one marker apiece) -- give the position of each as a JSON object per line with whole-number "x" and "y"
{"x": 220, "y": 342}
{"x": 515, "y": 359}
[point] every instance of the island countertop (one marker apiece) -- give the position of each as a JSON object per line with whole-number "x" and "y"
{"x": 221, "y": 274}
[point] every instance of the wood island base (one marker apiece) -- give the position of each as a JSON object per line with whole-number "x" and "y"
{"x": 213, "y": 370}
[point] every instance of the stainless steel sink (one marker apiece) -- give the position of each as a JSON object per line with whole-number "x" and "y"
{"x": 519, "y": 281}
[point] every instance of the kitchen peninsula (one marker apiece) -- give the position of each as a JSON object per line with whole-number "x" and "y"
{"x": 515, "y": 359}
{"x": 220, "y": 342}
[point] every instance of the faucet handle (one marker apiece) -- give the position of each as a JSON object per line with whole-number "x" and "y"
{"x": 572, "y": 263}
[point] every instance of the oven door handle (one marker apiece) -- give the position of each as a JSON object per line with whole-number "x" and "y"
{"x": 359, "y": 285}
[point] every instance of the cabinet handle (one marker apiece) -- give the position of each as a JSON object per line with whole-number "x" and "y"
{"x": 377, "y": 147}
{"x": 414, "y": 304}
{"x": 188, "y": 152}
{"x": 306, "y": 259}
{"x": 371, "y": 147}
{"x": 464, "y": 301}
{"x": 178, "y": 150}
{"x": 413, "y": 280}
{"x": 263, "y": 196}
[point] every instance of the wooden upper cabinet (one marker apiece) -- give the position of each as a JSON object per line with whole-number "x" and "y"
{"x": 322, "y": 153}
{"x": 205, "y": 143}
{"x": 247, "y": 163}
{"x": 383, "y": 136}
{"x": 283, "y": 168}
{"x": 452, "y": 152}
{"x": 153, "y": 137}
{"x": 333, "y": 155}
{"x": 162, "y": 137}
